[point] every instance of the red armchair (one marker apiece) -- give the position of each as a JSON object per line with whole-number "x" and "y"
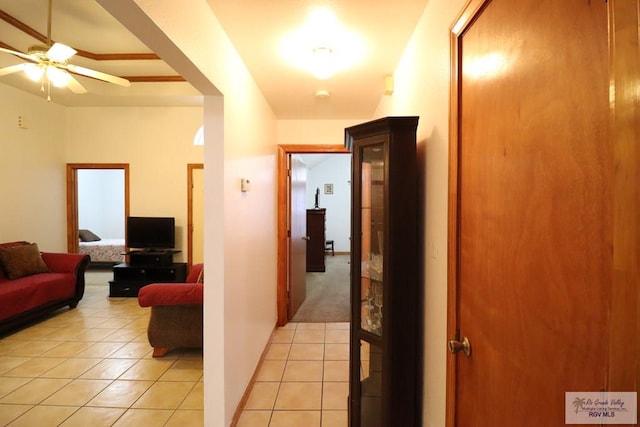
{"x": 176, "y": 312}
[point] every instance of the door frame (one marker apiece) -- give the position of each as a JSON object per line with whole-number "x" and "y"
{"x": 190, "y": 169}
{"x": 284, "y": 151}
{"x": 72, "y": 197}
{"x": 457, "y": 29}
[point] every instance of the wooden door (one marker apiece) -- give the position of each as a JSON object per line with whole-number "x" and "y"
{"x": 298, "y": 237}
{"x": 530, "y": 210}
{"x": 197, "y": 215}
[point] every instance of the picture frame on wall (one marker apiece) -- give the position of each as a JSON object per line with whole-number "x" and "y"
{"x": 328, "y": 189}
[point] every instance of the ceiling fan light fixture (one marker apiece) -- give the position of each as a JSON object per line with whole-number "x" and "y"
{"x": 60, "y": 52}
{"x": 57, "y": 77}
{"x": 48, "y": 65}
{"x": 33, "y": 72}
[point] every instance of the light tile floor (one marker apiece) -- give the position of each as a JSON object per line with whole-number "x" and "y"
{"x": 303, "y": 380}
{"x": 92, "y": 366}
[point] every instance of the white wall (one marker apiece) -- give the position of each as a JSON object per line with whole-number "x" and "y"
{"x": 32, "y": 170}
{"x": 336, "y": 170}
{"x": 422, "y": 88}
{"x": 101, "y": 202}
{"x": 240, "y": 228}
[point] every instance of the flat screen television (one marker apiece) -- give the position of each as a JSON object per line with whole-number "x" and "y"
{"x": 150, "y": 233}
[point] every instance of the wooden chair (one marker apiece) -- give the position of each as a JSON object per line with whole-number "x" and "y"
{"x": 328, "y": 247}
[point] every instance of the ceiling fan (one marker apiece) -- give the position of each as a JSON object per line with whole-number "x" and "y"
{"x": 48, "y": 64}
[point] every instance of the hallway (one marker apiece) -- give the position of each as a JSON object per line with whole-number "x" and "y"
{"x": 304, "y": 379}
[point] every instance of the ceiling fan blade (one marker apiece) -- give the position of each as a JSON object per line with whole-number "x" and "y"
{"x": 98, "y": 75}
{"x": 19, "y": 54}
{"x": 75, "y": 86}
{"x": 60, "y": 52}
{"x": 11, "y": 69}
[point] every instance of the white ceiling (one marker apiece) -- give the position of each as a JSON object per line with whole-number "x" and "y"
{"x": 255, "y": 27}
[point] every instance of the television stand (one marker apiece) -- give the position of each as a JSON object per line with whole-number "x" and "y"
{"x": 152, "y": 257}
{"x": 129, "y": 278}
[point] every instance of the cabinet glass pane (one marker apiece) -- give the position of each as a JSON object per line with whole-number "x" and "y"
{"x": 371, "y": 243}
{"x": 370, "y": 384}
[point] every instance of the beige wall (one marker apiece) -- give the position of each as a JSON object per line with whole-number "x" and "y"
{"x": 311, "y": 132}
{"x": 422, "y": 88}
{"x": 32, "y": 170}
{"x": 33, "y": 161}
{"x": 156, "y": 142}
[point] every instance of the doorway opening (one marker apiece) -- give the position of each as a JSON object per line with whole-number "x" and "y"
{"x": 284, "y": 241}
{"x": 76, "y": 197}
{"x": 195, "y": 213}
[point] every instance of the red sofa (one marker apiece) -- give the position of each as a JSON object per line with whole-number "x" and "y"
{"x": 176, "y": 312}
{"x": 25, "y": 299}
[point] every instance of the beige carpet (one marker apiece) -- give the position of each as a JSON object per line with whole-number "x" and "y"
{"x": 328, "y": 295}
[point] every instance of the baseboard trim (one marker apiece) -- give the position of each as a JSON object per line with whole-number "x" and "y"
{"x": 252, "y": 381}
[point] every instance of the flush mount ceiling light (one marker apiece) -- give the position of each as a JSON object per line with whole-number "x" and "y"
{"x": 322, "y": 46}
{"x": 322, "y": 65}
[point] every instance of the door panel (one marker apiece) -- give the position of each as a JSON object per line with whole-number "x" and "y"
{"x": 198, "y": 216}
{"x": 532, "y": 248}
{"x": 297, "y": 242}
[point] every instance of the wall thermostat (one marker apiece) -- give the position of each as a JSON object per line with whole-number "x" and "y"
{"x": 245, "y": 185}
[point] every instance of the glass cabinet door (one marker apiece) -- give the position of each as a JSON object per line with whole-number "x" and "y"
{"x": 385, "y": 337}
{"x": 371, "y": 243}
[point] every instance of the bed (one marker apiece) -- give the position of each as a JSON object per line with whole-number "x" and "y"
{"x": 101, "y": 251}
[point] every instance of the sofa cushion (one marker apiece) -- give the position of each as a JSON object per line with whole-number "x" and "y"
{"x": 170, "y": 294}
{"x": 33, "y": 291}
{"x": 23, "y": 260}
{"x": 88, "y": 236}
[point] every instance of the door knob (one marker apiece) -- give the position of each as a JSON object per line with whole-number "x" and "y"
{"x": 455, "y": 346}
{"x": 306, "y": 238}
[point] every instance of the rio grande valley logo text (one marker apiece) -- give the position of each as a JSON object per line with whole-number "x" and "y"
{"x": 599, "y": 408}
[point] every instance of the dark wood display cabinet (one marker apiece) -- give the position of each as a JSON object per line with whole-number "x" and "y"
{"x": 316, "y": 240}
{"x": 128, "y": 279}
{"x": 385, "y": 384}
